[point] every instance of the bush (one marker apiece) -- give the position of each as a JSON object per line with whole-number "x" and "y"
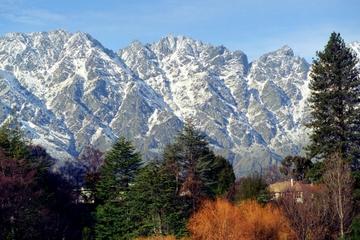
{"x": 222, "y": 220}
{"x": 161, "y": 238}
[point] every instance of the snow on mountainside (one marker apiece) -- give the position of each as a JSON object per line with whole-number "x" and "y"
{"x": 251, "y": 113}
{"x": 85, "y": 87}
{"x": 69, "y": 91}
{"x": 355, "y": 46}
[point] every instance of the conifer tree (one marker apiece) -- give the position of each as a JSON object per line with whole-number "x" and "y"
{"x": 224, "y": 176}
{"x": 153, "y": 202}
{"x": 119, "y": 169}
{"x": 295, "y": 167}
{"x": 198, "y": 171}
{"x": 113, "y": 219}
{"x": 12, "y": 140}
{"x": 335, "y": 101}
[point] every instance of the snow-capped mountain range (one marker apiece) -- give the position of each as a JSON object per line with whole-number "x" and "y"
{"x": 69, "y": 92}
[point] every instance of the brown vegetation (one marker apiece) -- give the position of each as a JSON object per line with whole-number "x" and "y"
{"x": 16, "y": 182}
{"x": 217, "y": 220}
{"x": 263, "y": 222}
{"x": 161, "y": 238}
{"x": 339, "y": 184}
{"x": 309, "y": 218}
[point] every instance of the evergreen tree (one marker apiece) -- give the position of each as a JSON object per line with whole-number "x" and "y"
{"x": 113, "y": 219}
{"x": 12, "y": 140}
{"x": 335, "y": 99}
{"x": 224, "y": 175}
{"x": 315, "y": 173}
{"x": 119, "y": 169}
{"x": 153, "y": 202}
{"x": 199, "y": 173}
{"x": 295, "y": 167}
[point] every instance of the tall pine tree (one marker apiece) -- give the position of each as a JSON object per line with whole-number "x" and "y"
{"x": 199, "y": 173}
{"x": 224, "y": 176}
{"x": 335, "y": 102}
{"x": 12, "y": 140}
{"x": 154, "y": 203}
{"x": 113, "y": 217}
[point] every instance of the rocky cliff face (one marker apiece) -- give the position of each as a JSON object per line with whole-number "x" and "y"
{"x": 69, "y": 91}
{"x": 251, "y": 112}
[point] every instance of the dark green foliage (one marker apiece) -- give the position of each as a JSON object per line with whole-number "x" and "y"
{"x": 195, "y": 173}
{"x": 315, "y": 173}
{"x": 295, "y": 167}
{"x": 112, "y": 216}
{"x": 12, "y": 142}
{"x": 113, "y": 221}
{"x": 335, "y": 98}
{"x": 119, "y": 169}
{"x": 194, "y": 161}
{"x": 356, "y": 192}
{"x": 5, "y": 138}
{"x": 224, "y": 175}
{"x": 158, "y": 199}
{"x": 198, "y": 171}
{"x": 354, "y": 229}
{"x": 154, "y": 204}
{"x": 251, "y": 187}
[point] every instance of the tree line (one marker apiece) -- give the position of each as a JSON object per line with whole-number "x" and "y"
{"x": 121, "y": 197}
{"x": 158, "y": 198}
{"x": 35, "y": 202}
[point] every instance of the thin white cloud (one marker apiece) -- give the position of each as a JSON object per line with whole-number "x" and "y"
{"x": 17, "y": 12}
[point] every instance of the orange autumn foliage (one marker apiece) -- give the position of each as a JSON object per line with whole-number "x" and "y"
{"x": 162, "y": 238}
{"x": 218, "y": 220}
{"x": 215, "y": 220}
{"x": 157, "y": 238}
{"x": 266, "y": 222}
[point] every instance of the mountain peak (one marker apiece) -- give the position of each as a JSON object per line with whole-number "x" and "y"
{"x": 14, "y": 35}
{"x": 136, "y": 44}
{"x": 285, "y": 50}
{"x": 177, "y": 38}
{"x": 179, "y": 41}
{"x": 280, "y": 53}
{"x": 58, "y": 32}
{"x": 84, "y": 37}
{"x": 79, "y": 39}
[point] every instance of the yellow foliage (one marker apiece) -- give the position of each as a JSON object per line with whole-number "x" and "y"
{"x": 214, "y": 221}
{"x": 160, "y": 238}
{"x": 218, "y": 220}
{"x": 157, "y": 238}
{"x": 263, "y": 222}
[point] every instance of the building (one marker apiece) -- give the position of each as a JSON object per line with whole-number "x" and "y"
{"x": 292, "y": 188}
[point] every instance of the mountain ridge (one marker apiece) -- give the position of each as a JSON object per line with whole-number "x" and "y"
{"x": 252, "y": 113}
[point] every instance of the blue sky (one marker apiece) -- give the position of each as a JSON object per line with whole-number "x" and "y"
{"x": 253, "y": 26}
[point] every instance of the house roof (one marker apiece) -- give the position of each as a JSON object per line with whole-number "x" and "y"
{"x": 297, "y": 186}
